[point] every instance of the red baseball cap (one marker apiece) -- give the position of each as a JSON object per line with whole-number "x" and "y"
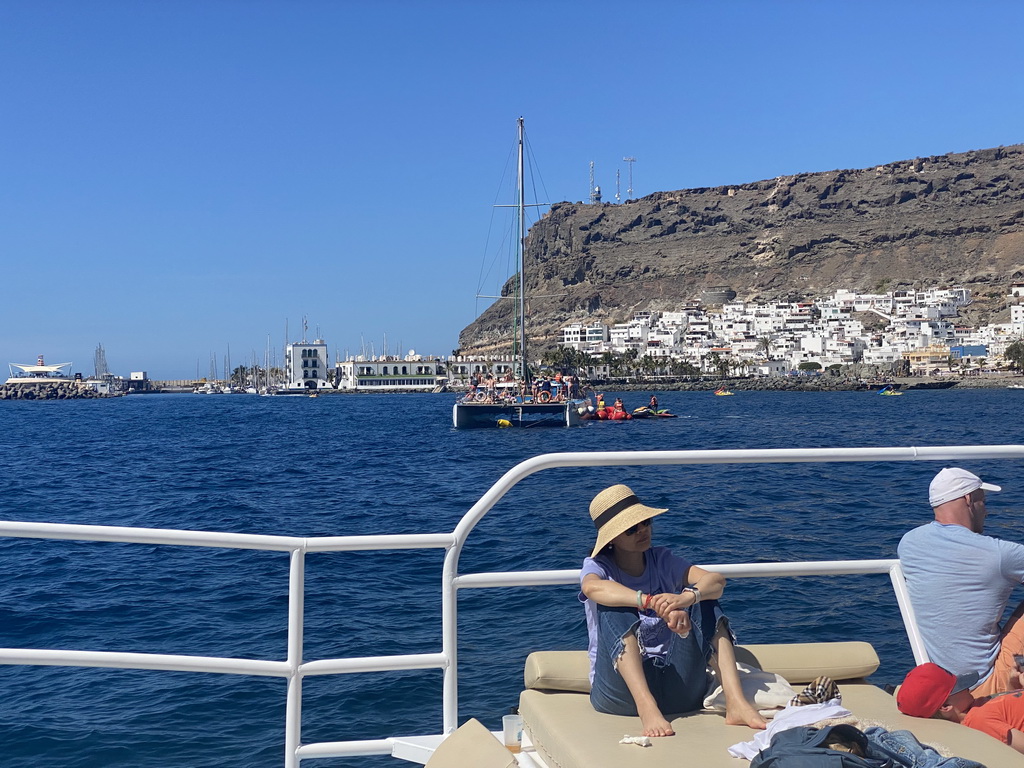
{"x": 926, "y": 688}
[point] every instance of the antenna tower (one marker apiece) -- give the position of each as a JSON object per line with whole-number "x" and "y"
{"x": 618, "y": 197}
{"x": 591, "y": 182}
{"x": 630, "y": 161}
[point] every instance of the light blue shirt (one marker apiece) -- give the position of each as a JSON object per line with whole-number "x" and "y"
{"x": 959, "y": 582}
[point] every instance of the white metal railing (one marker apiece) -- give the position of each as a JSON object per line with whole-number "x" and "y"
{"x": 294, "y": 669}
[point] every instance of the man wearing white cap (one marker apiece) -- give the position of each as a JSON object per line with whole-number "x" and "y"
{"x": 960, "y": 581}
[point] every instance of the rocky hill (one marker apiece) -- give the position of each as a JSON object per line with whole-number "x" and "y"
{"x": 955, "y": 219}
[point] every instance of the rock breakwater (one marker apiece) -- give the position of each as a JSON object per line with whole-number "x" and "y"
{"x": 62, "y": 391}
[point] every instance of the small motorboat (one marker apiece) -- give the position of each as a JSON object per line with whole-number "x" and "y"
{"x": 889, "y": 391}
{"x": 722, "y": 392}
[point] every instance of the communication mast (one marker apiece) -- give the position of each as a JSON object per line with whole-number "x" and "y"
{"x": 618, "y": 197}
{"x": 630, "y": 161}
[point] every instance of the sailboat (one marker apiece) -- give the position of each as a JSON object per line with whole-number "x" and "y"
{"x": 510, "y": 404}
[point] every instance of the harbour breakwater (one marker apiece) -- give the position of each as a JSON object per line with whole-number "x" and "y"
{"x": 58, "y": 391}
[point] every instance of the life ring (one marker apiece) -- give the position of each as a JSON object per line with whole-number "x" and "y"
{"x": 480, "y": 397}
{"x": 544, "y": 397}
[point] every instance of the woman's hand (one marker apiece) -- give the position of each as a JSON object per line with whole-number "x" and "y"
{"x": 667, "y": 602}
{"x": 679, "y": 622}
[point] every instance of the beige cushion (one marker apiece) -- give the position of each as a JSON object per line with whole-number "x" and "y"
{"x": 471, "y": 746}
{"x": 799, "y": 663}
{"x": 558, "y": 671}
{"x": 567, "y": 733}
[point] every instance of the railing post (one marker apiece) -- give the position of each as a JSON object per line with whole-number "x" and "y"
{"x": 899, "y": 586}
{"x": 450, "y": 640}
{"x": 293, "y": 708}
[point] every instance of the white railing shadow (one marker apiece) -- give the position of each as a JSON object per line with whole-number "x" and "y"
{"x": 294, "y": 669}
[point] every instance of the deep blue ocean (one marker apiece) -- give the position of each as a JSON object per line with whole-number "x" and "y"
{"x": 367, "y": 464}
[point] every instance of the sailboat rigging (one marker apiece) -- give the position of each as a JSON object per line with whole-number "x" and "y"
{"x": 511, "y": 403}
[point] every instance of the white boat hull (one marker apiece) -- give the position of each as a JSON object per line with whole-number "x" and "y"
{"x": 474, "y": 415}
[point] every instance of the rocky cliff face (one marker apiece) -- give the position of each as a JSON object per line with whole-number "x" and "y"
{"x": 950, "y": 220}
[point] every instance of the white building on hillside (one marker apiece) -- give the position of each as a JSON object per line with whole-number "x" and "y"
{"x": 584, "y": 337}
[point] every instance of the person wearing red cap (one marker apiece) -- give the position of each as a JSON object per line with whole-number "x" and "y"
{"x": 931, "y": 691}
{"x": 960, "y": 581}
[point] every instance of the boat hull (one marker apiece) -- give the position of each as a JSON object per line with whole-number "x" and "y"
{"x": 478, "y": 415}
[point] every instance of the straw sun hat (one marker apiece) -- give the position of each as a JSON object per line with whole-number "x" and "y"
{"x": 614, "y": 510}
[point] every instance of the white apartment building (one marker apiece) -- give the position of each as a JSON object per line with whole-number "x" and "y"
{"x": 883, "y": 355}
{"x": 631, "y": 335}
{"x": 306, "y": 366}
{"x": 1017, "y": 319}
{"x": 584, "y": 337}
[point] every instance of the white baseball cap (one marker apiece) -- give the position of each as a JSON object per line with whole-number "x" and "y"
{"x": 952, "y": 483}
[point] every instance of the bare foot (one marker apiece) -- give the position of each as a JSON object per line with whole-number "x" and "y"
{"x": 655, "y": 723}
{"x": 745, "y": 714}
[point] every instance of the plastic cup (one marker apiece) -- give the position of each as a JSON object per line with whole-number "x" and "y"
{"x": 512, "y": 732}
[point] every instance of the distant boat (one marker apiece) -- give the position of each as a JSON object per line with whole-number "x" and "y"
{"x": 889, "y": 391}
{"x": 1016, "y": 386}
{"x": 723, "y": 392}
{"x": 510, "y": 403}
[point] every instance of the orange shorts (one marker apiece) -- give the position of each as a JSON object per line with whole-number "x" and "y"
{"x": 1011, "y": 644}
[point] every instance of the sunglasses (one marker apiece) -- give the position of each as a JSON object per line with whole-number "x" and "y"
{"x": 634, "y": 528}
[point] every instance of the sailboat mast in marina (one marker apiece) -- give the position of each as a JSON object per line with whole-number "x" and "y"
{"x": 520, "y": 340}
{"x": 510, "y": 403}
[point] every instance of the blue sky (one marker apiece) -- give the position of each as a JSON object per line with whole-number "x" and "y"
{"x": 178, "y": 178}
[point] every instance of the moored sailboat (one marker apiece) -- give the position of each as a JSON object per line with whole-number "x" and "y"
{"x": 512, "y": 403}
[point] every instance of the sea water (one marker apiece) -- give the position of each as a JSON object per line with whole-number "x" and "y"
{"x": 374, "y": 464}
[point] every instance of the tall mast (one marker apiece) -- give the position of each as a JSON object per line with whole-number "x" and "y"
{"x": 522, "y": 258}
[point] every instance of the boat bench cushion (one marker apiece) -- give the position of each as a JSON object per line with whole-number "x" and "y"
{"x": 566, "y": 732}
{"x": 471, "y": 745}
{"x": 799, "y": 663}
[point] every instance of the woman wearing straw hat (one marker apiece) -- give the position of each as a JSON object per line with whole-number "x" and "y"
{"x": 654, "y": 622}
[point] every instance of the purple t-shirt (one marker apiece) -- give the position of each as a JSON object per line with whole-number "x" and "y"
{"x": 663, "y": 572}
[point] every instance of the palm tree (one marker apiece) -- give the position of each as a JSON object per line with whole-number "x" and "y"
{"x": 583, "y": 363}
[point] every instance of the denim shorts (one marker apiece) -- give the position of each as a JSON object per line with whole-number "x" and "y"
{"x": 678, "y": 681}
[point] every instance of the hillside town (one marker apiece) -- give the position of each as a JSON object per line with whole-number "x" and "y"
{"x": 906, "y": 332}
{"x": 867, "y": 335}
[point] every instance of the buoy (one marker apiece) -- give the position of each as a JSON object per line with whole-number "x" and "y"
{"x": 503, "y": 423}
